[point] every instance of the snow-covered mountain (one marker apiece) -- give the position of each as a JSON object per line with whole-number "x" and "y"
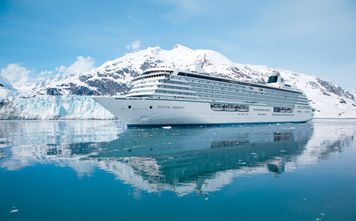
{"x": 353, "y": 92}
{"x": 4, "y": 92}
{"x": 6, "y": 89}
{"x": 113, "y": 78}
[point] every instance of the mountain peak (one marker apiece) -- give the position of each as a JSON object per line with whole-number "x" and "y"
{"x": 181, "y": 47}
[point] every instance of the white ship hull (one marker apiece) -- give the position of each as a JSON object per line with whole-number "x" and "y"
{"x": 150, "y": 112}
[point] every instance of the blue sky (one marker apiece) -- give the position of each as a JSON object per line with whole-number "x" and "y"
{"x": 314, "y": 37}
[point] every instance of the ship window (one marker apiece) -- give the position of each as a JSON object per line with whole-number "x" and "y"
{"x": 272, "y": 79}
{"x": 150, "y": 107}
{"x": 129, "y": 106}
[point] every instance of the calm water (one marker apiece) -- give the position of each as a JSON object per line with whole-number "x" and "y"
{"x": 98, "y": 170}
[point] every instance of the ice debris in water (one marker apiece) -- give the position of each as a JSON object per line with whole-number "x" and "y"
{"x": 14, "y": 210}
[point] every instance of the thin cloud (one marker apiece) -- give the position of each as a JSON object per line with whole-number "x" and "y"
{"x": 15, "y": 72}
{"x": 183, "y": 10}
{"x": 133, "y": 45}
{"x": 17, "y": 75}
{"x": 132, "y": 18}
{"x": 81, "y": 65}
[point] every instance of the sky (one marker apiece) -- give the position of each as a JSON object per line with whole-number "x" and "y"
{"x": 316, "y": 37}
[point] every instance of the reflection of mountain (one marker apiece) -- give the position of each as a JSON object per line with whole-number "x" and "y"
{"x": 335, "y": 147}
{"x": 33, "y": 142}
{"x": 182, "y": 160}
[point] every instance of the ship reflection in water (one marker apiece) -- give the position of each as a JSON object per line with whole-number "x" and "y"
{"x": 182, "y": 159}
{"x": 203, "y": 159}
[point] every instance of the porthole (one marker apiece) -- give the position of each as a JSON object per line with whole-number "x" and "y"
{"x": 129, "y": 106}
{"x": 150, "y": 107}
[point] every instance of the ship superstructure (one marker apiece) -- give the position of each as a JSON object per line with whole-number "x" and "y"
{"x": 162, "y": 96}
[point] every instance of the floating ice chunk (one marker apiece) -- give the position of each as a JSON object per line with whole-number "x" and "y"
{"x": 14, "y": 211}
{"x": 167, "y": 127}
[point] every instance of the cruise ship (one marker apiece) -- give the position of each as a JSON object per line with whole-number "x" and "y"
{"x": 164, "y": 97}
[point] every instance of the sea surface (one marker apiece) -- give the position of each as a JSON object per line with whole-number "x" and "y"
{"x": 100, "y": 170}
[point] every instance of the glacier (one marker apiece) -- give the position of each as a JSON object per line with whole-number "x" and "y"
{"x": 67, "y": 96}
{"x": 48, "y": 107}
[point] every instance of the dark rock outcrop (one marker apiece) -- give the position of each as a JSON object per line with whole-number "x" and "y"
{"x": 335, "y": 89}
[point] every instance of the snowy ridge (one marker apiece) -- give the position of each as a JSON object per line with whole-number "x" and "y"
{"x": 114, "y": 77}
